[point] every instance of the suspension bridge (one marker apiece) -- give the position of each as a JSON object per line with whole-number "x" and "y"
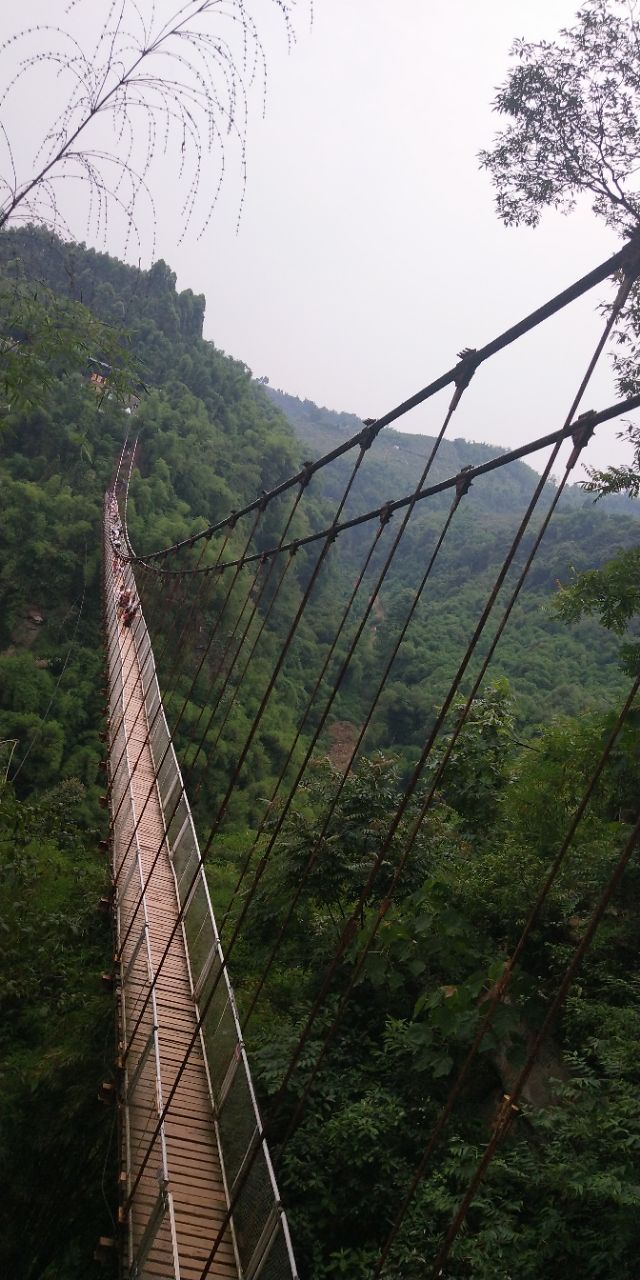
{"x": 198, "y": 1185}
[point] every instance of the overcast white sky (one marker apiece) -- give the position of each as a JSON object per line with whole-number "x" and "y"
{"x": 368, "y": 251}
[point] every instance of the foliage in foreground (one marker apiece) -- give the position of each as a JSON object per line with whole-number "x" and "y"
{"x": 562, "y": 1193}
{"x": 56, "y": 1038}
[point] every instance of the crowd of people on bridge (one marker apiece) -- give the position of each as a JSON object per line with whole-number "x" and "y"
{"x": 127, "y": 602}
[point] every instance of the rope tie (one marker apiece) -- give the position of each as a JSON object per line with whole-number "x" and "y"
{"x": 581, "y": 434}
{"x": 463, "y": 373}
{"x": 464, "y": 481}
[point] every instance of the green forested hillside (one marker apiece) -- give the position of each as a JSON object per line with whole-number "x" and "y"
{"x": 562, "y": 1199}
{"x": 211, "y": 440}
{"x": 552, "y": 669}
{"x": 398, "y": 456}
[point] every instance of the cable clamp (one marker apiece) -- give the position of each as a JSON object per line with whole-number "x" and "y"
{"x": 385, "y": 514}
{"x": 369, "y": 434}
{"x": 264, "y": 500}
{"x": 306, "y": 474}
{"x": 463, "y": 484}
{"x": 582, "y": 432}
{"x": 464, "y": 373}
{"x": 332, "y": 534}
{"x": 293, "y": 548}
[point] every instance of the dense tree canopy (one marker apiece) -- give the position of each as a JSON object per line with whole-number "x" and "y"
{"x": 573, "y": 106}
{"x": 209, "y": 439}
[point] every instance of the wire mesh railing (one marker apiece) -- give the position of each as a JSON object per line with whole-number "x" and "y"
{"x": 260, "y": 1229}
{"x": 141, "y": 1085}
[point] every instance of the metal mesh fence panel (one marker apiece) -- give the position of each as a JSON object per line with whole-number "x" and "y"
{"x": 189, "y": 860}
{"x": 199, "y": 929}
{"x": 253, "y": 1213}
{"x": 220, "y": 1037}
{"x": 158, "y": 738}
{"x": 237, "y": 1123}
{"x": 178, "y": 829}
{"x": 152, "y": 703}
{"x": 278, "y": 1261}
{"x": 167, "y": 771}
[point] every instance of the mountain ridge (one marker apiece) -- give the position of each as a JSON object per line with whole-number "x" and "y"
{"x": 322, "y": 429}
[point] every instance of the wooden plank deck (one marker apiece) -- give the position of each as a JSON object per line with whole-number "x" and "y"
{"x": 195, "y": 1180}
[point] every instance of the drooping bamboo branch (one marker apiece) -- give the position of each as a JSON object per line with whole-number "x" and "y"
{"x": 146, "y": 88}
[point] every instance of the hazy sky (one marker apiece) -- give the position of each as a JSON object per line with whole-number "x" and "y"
{"x": 368, "y": 252}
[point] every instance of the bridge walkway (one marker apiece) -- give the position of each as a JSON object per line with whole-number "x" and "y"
{"x": 180, "y": 1202}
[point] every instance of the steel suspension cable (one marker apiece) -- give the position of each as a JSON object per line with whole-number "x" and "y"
{"x": 307, "y": 711}
{"x": 400, "y": 867}
{"x": 349, "y": 928}
{"x": 181, "y": 789}
{"x": 116, "y": 474}
{"x": 317, "y": 847}
{"x": 326, "y": 546}
{"x": 253, "y": 729}
{"x": 158, "y": 766}
{"x": 220, "y": 815}
{"x": 177, "y": 658}
{"x": 242, "y": 561}
{"x": 463, "y": 382}
{"x": 347, "y": 933}
{"x": 250, "y": 1161}
{"x": 180, "y": 636}
{"x": 256, "y": 721}
{"x": 305, "y": 1033}
{"x": 620, "y": 260}
{"x": 582, "y": 435}
{"x": 139, "y": 624}
{"x": 256, "y": 599}
{"x": 156, "y": 774}
{"x": 227, "y": 640}
{"x": 228, "y": 530}
{"x": 254, "y": 643}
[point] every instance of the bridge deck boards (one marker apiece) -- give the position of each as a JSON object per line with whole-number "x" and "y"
{"x": 193, "y": 1159}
